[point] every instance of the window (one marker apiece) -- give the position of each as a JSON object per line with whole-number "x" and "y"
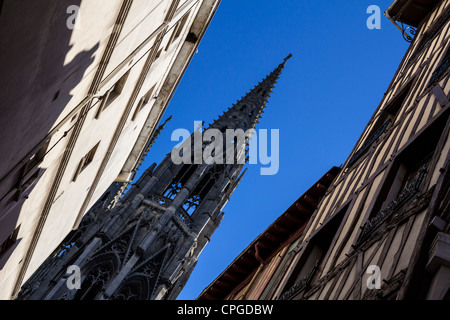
{"x": 97, "y": 277}
{"x": 443, "y": 66}
{"x": 37, "y": 158}
{"x": 430, "y": 35}
{"x": 30, "y": 172}
{"x": 158, "y": 54}
{"x": 180, "y": 180}
{"x": 387, "y": 117}
{"x": 405, "y": 180}
{"x": 177, "y": 30}
{"x": 20, "y": 181}
{"x": 85, "y": 161}
{"x": 143, "y": 102}
{"x": 391, "y": 111}
{"x": 201, "y": 190}
{"x": 112, "y": 94}
{"x": 74, "y": 118}
{"x": 9, "y": 242}
{"x": 56, "y": 95}
{"x": 313, "y": 255}
{"x": 401, "y": 189}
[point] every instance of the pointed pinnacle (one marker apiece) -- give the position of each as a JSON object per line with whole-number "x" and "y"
{"x": 165, "y": 122}
{"x": 288, "y": 57}
{"x": 255, "y": 96}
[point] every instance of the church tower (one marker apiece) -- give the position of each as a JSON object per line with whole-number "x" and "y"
{"x": 146, "y": 246}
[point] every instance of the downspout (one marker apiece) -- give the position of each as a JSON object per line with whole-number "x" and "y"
{"x": 257, "y": 273}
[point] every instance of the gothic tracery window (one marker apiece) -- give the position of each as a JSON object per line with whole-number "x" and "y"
{"x": 95, "y": 282}
{"x": 206, "y": 183}
{"x": 180, "y": 179}
{"x": 173, "y": 190}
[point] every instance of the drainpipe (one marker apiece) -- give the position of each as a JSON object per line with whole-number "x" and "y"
{"x": 257, "y": 273}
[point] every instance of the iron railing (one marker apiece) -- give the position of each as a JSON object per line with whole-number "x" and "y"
{"x": 409, "y": 193}
{"x": 368, "y": 143}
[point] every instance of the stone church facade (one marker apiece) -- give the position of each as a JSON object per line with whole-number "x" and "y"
{"x": 146, "y": 246}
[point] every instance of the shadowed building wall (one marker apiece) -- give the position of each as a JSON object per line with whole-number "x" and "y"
{"x": 78, "y": 108}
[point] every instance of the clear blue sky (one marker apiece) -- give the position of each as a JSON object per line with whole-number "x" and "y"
{"x": 327, "y": 93}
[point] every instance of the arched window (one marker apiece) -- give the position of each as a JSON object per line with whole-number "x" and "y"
{"x": 136, "y": 288}
{"x": 203, "y": 187}
{"x": 180, "y": 180}
{"x": 99, "y": 273}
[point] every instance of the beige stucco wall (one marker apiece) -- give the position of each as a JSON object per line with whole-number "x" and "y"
{"x": 114, "y": 129}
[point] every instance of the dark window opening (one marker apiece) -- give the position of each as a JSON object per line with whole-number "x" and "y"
{"x": 312, "y": 258}
{"x": 55, "y": 97}
{"x": 74, "y": 118}
{"x": 405, "y": 180}
{"x": 200, "y": 192}
{"x": 158, "y": 54}
{"x": 442, "y": 67}
{"x": 112, "y": 94}
{"x": 387, "y": 117}
{"x": 85, "y": 161}
{"x": 391, "y": 111}
{"x": 180, "y": 180}
{"x": 177, "y": 30}
{"x": 191, "y": 38}
{"x": 38, "y": 157}
{"x": 29, "y": 173}
{"x": 95, "y": 282}
{"x": 181, "y": 25}
{"x": 143, "y": 102}
{"x": 89, "y": 157}
{"x": 430, "y": 35}
{"x": 9, "y": 242}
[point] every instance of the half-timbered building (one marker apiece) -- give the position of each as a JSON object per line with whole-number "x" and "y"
{"x": 381, "y": 231}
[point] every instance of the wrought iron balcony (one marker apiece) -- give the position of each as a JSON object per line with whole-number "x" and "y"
{"x": 440, "y": 70}
{"x": 301, "y": 285}
{"x": 405, "y": 197}
{"x": 368, "y": 143}
{"x": 430, "y": 35}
